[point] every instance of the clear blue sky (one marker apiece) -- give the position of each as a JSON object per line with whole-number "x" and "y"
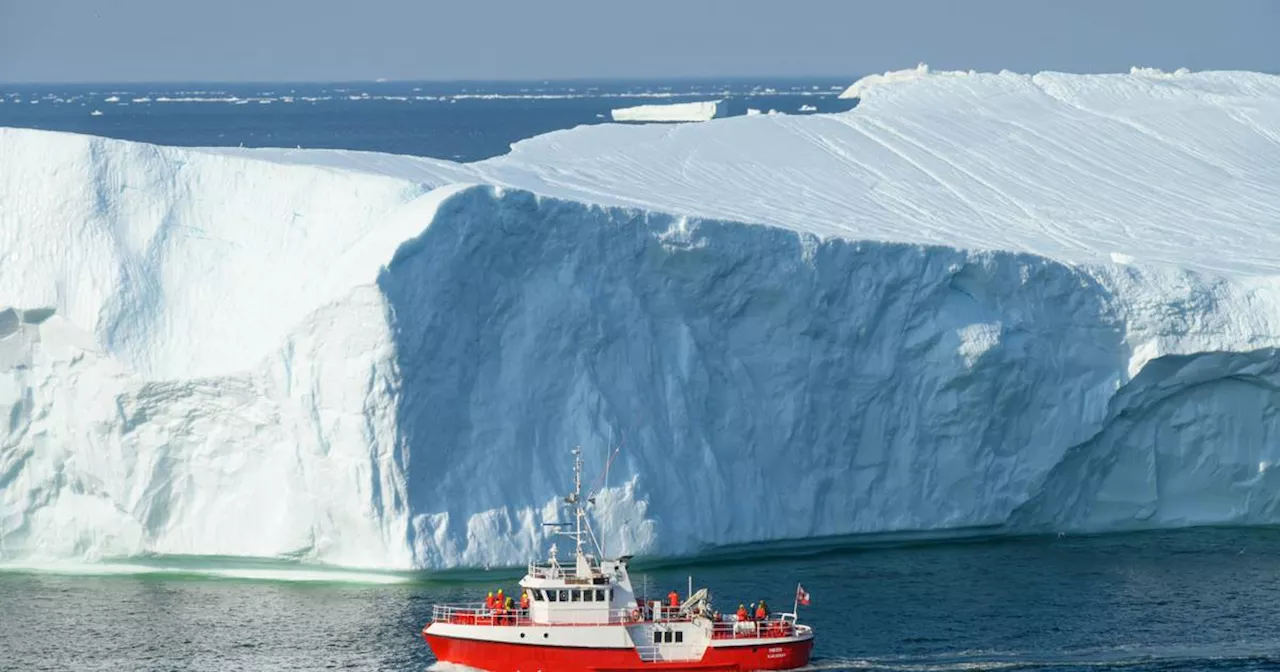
{"x": 275, "y": 40}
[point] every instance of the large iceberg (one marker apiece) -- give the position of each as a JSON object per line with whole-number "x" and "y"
{"x": 991, "y": 302}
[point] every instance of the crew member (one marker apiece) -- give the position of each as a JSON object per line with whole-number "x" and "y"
{"x": 489, "y": 601}
{"x": 674, "y": 598}
{"x": 524, "y": 599}
{"x": 761, "y": 612}
{"x": 742, "y": 613}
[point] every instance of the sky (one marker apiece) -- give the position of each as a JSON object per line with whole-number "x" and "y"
{"x": 347, "y": 40}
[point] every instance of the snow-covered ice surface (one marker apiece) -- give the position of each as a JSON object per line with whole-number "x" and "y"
{"x": 893, "y": 77}
{"x": 695, "y": 111}
{"x": 990, "y": 301}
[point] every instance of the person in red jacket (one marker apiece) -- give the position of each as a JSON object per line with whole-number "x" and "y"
{"x": 524, "y": 600}
{"x": 761, "y": 612}
{"x": 742, "y": 613}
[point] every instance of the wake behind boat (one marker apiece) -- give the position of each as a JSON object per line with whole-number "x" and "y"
{"x": 585, "y": 617}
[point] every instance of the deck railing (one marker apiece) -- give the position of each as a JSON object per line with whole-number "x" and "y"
{"x": 471, "y": 614}
{"x": 569, "y": 573}
{"x": 480, "y": 615}
{"x": 773, "y": 627}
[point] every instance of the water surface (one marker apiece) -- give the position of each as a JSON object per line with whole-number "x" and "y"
{"x": 1187, "y": 600}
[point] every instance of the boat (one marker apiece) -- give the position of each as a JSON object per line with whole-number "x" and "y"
{"x": 584, "y": 616}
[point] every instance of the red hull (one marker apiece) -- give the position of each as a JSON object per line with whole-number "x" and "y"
{"x": 503, "y": 657}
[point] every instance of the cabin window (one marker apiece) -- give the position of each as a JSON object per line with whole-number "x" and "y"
{"x": 608, "y": 595}
{"x": 564, "y": 596}
{"x": 600, "y": 596}
{"x": 588, "y": 596}
{"x": 679, "y": 636}
{"x": 657, "y": 637}
{"x": 551, "y": 596}
{"x": 577, "y": 595}
{"x": 666, "y": 636}
{"x": 538, "y": 595}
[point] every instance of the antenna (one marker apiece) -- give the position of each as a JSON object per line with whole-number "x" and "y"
{"x": 603, "y": 483}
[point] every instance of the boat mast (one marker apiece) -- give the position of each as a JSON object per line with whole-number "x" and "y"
{"x": 581, "y": 526}
{"x": 576, "y": 499}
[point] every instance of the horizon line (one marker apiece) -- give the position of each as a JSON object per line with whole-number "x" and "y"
{"x": 456, "y": 80}
{"x": 586, "y": 79}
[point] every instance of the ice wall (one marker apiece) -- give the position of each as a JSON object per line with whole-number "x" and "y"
{"x": 994, "y": 301}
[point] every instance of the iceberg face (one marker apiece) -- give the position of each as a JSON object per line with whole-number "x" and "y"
{"x": 994, "y": 301}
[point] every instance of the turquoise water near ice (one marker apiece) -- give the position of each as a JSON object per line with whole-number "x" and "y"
{"x": 1203, "y": 599}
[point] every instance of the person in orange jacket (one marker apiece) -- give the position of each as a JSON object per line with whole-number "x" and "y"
{"x": 674, "y": 598}
{"x": 742, "y": 613}
{"x": 496, "y": 616}
{"x": 761, "y": 612}
{"x": 524, "y": 599}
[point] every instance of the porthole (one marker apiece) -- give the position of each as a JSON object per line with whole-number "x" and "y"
{"x": 522, "y": 635}
{"x": 545, "y": 635}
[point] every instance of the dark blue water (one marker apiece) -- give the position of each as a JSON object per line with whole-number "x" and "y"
{"x": 1189, "y": 600}
{"x": 457, "y": 120}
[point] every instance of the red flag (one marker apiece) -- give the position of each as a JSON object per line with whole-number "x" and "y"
{"x": 802, "y": 596}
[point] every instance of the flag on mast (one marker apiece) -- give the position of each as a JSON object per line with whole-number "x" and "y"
{"x": 802, "y": 595}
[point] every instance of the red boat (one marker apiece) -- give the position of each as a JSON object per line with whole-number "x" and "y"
{"x": 584, "y": 617}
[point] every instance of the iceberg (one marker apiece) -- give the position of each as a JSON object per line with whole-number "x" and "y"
{"x": 669, "y": 112}
{"x": 1002, "y": 303}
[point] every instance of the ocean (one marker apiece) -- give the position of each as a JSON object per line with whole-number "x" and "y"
{"x": 460, "y": 121}
{"x": 1202, "y": 599}
{"x": 1205, "y": 599}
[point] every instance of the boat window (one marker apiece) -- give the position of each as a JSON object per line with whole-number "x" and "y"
{"x": 538, "y": 595}
{"x": 608, "y": 595}
{"x": 666, "y": 637}
{"x": 657, "y": 637}
{"x": 588, "y": 596}
{"x": 564, "y": 596}
{"x": 577, "y": 595}
{"x": 679, "y": 636}
{"x": 551, "y": 596}
{"x": 600, "y": 596}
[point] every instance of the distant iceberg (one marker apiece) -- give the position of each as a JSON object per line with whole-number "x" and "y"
{"x": 998, "y": 302}
{"x": 673, "y": 112}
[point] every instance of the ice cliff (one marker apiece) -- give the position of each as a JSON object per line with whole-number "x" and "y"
{"x": 990, "y": 301}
